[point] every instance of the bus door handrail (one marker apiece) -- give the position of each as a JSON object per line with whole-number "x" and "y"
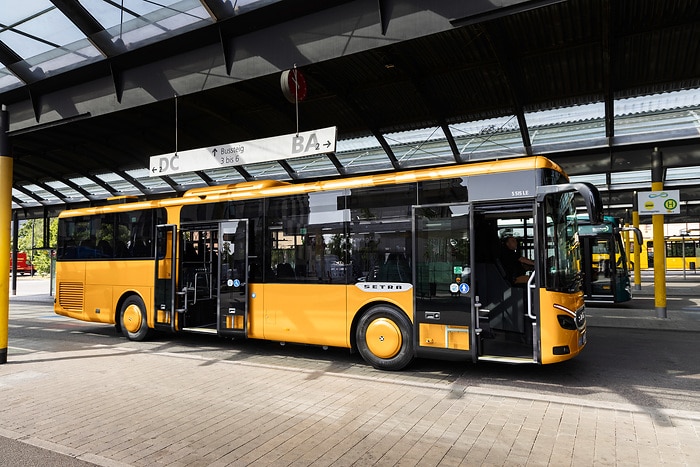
{"x": 530, "y": 288}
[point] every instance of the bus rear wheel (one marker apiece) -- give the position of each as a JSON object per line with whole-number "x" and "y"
{"x": 132, "y": 319}
{"x": 384, "y": 338}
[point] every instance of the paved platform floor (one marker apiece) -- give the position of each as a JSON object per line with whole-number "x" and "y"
{"x": 83, "y": 396}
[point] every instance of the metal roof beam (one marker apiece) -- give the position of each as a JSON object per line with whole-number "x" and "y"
{"x": 387, "y": 149}
{"x": 289, "y": 169}
{"x": 38, "y": 199}
{"x": 138, "y": 185}
{"x": 217, "y": 9}
{"x": 17, "y": 65}
{"x": 336, "y": 162}
{"x": 101, "y": 183}
{"x": 88, "y": 25}
{"x": 75, "y": 186}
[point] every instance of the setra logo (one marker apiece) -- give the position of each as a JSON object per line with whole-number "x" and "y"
{"x": 384, "y": 286}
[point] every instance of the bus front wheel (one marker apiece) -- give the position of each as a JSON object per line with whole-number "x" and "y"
{"x": 384, "y": 338}
{"x": 132, "y": 319}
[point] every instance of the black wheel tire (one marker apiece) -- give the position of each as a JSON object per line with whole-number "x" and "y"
{"x": 132, "y": 319}
{"x": 385, "y": 339}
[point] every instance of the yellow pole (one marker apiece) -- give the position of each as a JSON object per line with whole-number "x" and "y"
{"x": 637, "y": 249}
{"x": 628, "y": 257}
{"x": 5, "y": 219}
{"x": 657, "y": 221}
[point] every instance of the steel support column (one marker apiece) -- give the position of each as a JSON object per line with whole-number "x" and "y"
{"x": 5, "y": 219}
{"x": 657, "y": 220}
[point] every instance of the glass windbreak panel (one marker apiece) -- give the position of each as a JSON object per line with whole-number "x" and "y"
{"x": 485, "y": 138}
{"x": 314, "y": 166}
{"x": 22, "y": 197}
{"x": 118, "y": 183}
{"x": 423, "y": 147}
{"x": 267, "y": 171}
{"x": 598, "y": 180}
{"x": 225, "y": 175}
{"x": 635, "y": 176}
{"x": 42, "y": 193}
{"x": 362, "y": 155}
{"x": 658, "y": 116}
{"x": 44, "y": 37}
{"x": 137, "y": 22}
{"x": 67, "y": 191}
{"x": 562, "y": 249}
{"x": 579, "y": 126}
{"x": 8, "y": 80}
{"x": 682, "y": 173}
{"x": 152, "y": 183}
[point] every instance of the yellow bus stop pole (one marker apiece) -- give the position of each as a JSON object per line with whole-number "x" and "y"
{"x": 637, "y": 248}
{"x": 657, "y": 221}
{"x": 5, "y": 218}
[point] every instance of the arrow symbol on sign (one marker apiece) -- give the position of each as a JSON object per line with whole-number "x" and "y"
{"x": 327, "y": 144}
{"x": 214, "y": 151}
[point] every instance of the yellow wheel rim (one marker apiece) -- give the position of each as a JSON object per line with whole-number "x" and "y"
{"x": 383, "y": 338}
{"x": 132, "y": 318}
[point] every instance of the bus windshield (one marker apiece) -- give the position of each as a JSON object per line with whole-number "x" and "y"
{"x": 563, "y": 266}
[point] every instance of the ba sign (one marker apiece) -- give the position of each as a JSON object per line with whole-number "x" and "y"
{"x": 659, "y": 202}
{"x": 306, "y": 143}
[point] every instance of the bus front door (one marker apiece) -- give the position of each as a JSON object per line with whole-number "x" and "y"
{"x": 233, "y": 278}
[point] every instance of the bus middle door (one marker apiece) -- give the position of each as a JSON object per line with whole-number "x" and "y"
{"x": 444, "y": 318}
{"x": 233, "y": 278}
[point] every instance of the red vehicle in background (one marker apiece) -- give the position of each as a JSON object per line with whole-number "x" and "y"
{"x": 23, "y": 266}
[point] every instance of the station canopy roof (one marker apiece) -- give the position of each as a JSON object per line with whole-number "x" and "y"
{"x": 94, "y": 88}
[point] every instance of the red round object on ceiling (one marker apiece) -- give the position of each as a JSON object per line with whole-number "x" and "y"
{"x": 293, "y": 85}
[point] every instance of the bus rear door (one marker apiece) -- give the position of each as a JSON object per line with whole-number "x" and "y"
{"x": 233, "y": 278}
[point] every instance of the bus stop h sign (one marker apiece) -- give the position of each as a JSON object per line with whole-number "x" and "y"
{"x": 659, "y": 202}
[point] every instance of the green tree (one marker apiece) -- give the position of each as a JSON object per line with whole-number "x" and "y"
{"x": 30, "y": 240}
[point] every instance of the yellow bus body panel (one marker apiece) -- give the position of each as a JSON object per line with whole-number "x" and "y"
{"x": 552, "y": 334}
{"x": 104, "y": 283}
{"x": 305, "y": 313}
{"x": 320, "y": 314}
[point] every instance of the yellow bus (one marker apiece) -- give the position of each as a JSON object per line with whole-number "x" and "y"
{"x": 682, "y": 252}
{"x": 394, "y": 266}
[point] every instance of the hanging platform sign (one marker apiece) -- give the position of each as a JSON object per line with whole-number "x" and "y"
{"x": 306, "y": 143}
{"x": 659, "y": 202}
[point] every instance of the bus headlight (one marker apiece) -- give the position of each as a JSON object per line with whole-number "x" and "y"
{"x": 566, "y": 322}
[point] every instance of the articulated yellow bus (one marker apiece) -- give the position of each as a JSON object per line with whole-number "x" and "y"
{"x": 393, "y": 266}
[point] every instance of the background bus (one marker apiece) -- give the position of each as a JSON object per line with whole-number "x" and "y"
{"x": 682, "y": 253}
{"x": 394, "y": 266}
{"x": 606, "y": 278}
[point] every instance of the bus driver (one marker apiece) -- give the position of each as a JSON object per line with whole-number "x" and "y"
{"x": 514, "y": 264}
